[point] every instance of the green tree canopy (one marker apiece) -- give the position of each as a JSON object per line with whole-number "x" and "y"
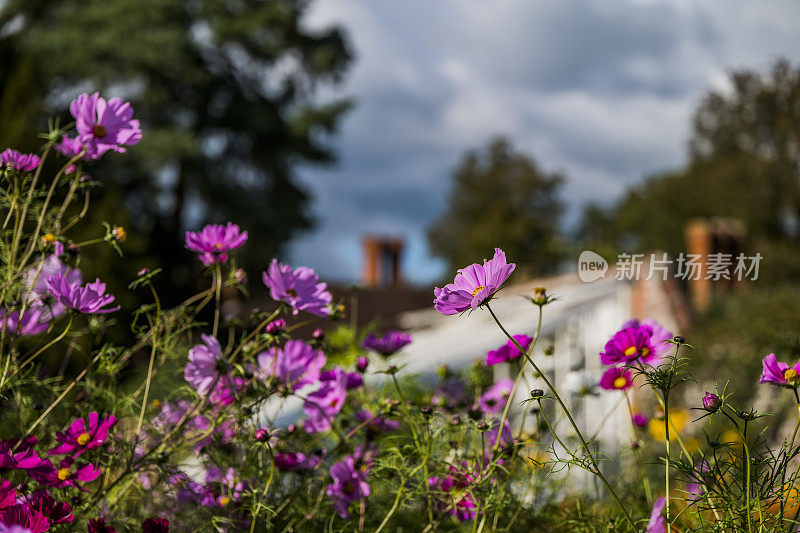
{"x": 499, "y": 197}
{"x": 225, "y": 92}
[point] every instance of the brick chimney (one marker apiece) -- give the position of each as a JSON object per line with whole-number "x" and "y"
{"x": 382, "y": 261}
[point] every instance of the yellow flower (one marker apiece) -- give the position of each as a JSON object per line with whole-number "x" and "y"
{"x": 48, "y": 238}
{"x": 678, "y": 420}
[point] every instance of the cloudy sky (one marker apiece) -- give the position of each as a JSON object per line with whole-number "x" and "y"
{"x": 601, "y": 90}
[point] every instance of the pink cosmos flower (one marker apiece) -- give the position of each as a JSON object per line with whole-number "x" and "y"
{"x": 657, "y": 523}
{"x": 291, "y": 461}
{"x": 155, "y": 525}
{"x": 14, "y": 529}
{"x": 508, "y": 351}
{"x": 214, "y": 242}
{"x": 474, "y": 285}
{"x": 98, "y": 525}
{"x": 616, "y": 378}
{"x": 207, "y": 370}
{"x": 81, "y": 437}
{"x": 323, "y": 404}
{"x": 35, "y": 278}
{"x": 12, "y": 159}
{"x": 776, "y": 373}
{"x": 70, "y": 148}
{"x": 495, "y": 398}
{"x": 349, "y": 481}
{"x": 32, "y": 322}
{"x": 22, "y": 517}
{"x": 452, "y": 492}
{"x": 296, "y": 365}
{"x": 8, "y": 494}
{"x": 56, "y": 512}
{"x": 222, "y": 489}
{"x": 89, "y": 298}
{"x": 301, "y": 288}
{"x": 104, "y": 125}
{"x": 20, "y": 455}
{"x": 636, "y": 341}
{"x": 69, "y": 474}
{"x": 377, "y": 425}
{"x": 639, "y": 420}
{"x": 389, "y": 344}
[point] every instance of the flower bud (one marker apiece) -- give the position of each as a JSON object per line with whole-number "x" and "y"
{"x": 276, "y": 327}
{"x": 475, "y": 412}
{"x": 711, "y": 402}
{"x": 361, "y": 364}
{"x": 482, "y": 426}
{"x": 456, "y": 420}
{"x": 143, "y": 272}
{"x": 262, "y": 435}
{"x": 426, "y": 410}
{"x": 537, "y": 393}
{"x": 318, "y": 334}
{"x": 119, "y": 234}
{"x": 240, "y": 275}
{"x": 679, "y": 340}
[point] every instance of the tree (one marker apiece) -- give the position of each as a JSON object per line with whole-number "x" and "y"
{"x": 225, "y": 92}
{"x": 499, "y": 197}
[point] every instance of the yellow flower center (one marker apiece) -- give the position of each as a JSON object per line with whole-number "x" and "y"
{"x": 477, "y": 290}
{"x": 156, "y": 403}
{"x": 64, "y": 474}
{"x": 790, "y": 374}
{"x": 120, "y": 234}
{"x": 218, "y": 246}
{"x": 224, "y": 501}
{"x": 620, "y": 382}
{"x": 84, "y": 438}
{"x": 48, "y": 238}
{"x": 99, "y": 130}
{"x": 630, "y": 351}
{"x": 292, "y": 293}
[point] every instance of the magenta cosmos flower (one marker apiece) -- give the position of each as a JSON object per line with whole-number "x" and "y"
{"x": 657, "y": 523}
{"x": 296, "y": 365}
{"x": 14, "y": 160}
{"x": 56, "y": 512}
{"x": 82, "y": 436}
{"x": 68, "y": 474}
{"x": 349, "y": 481}
{"x": 616, "y": 378}
{"x": 32, "y": 322}
{"x": 508, "y": 351}
{"x": 776, "y": 373}
{"x": 324, "y": 404}
{"x": 89, "y": 298}
{"x": 301, "y": 288}
{"x": 22, "y": 518}
{"x": 104, "y": 125}
{"x": 453, "y": 492}
{"x": 155, "y": 525}
{"x": 636, "y": 341}
{"x": 639, "y": 420}
{"x": 495, "y": 398}
{"x": 207, "y": 370}
{"x": 214, "y": 241}
{"x": 389, "y": 344}
{"x": 474, "y": 285}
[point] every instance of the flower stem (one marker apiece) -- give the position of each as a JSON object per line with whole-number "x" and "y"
{"x": 217, "y": 294}
{"x": 584, "y": 444}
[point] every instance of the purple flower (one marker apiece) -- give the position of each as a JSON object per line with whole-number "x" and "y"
{"x": 640, "y": 420}
{"x": 207, "y": 370}
{"x": 81, "y": 437}
{"x": 70, "y": 148}
{"x": 389, "y": 344}
{"x": 8, "y": 494}
{"x": 221, "y": 489}
{"x": 301, "y": 288}
{"x": 290, "y": 461}
{"x": 616, "y": 378}
{"x": 155, "y": 525}
{"x": 57, "y": 512}
{"x": 89, "y": 298}
{"x": 14, "y": 160}
{"x": 781, "y": 374}
{"x": 32, "y": 322}
{"x": 505, "y": 436}
{"x": 98, "y": 525}
{"x": 474, "y": 285}
{"x": 35, "y": 278}
{"x": 657, "y": 523}
{"x": 377, "y": 425}
{"x": 636, "y": 342}
{"x": 262, "y": 434}
{"x": 508, "y": 351}
{"x": 21, "y": 517}
{"x": 296, "y": 365}
{"x": 711, "y": 402}
{"x": 104, "y": 125}
{"x": 453, "y": 494}
{"x": 214, "y": 241}
{"x": 323, "y": 404}
{"x": 361, "y": 364}
{"x": 69, "y": 474}
{"x": 494, "y": 399}
{"x": 16, "y": 454}
{"x": 349, "y": 481}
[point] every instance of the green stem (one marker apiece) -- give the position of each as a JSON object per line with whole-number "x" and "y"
{"x": 584, "y": 444}
{"x": 153, "y": 346}
{"x": 217, "y": 294}
{"x": 645, "y": 482}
